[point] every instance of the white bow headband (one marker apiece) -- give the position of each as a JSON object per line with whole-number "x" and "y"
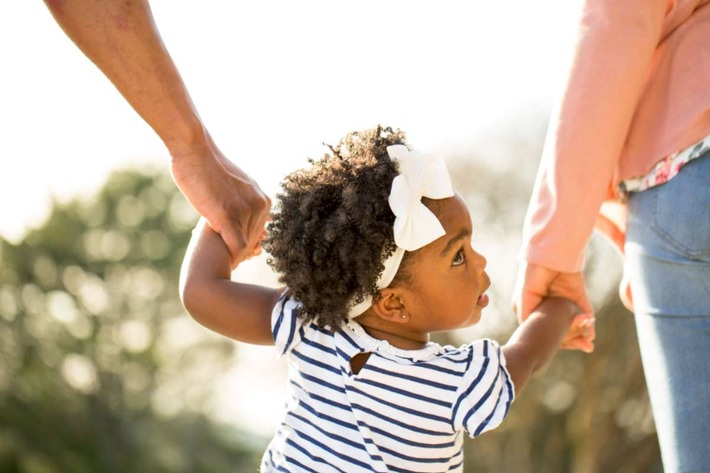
{"x": 415, "y": 225}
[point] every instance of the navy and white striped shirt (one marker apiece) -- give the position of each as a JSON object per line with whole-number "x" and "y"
{"x": 405, "y": 411}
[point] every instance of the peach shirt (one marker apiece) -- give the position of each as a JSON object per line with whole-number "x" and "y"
{"x": 637, "y": 90}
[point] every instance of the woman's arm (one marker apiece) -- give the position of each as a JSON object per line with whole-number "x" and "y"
{"x": 603, "y": 82}
{"x": 537, "y": 339}
{"x": 236, "y": 310}
{"x": 589, "y": 124}
{"x": 121, "y": 38}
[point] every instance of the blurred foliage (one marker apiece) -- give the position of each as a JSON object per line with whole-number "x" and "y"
{"x": 100, "y": 367}
{"x": 101, "y": 370}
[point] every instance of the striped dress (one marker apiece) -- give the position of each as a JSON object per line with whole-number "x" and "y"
{"x": 405, "y": 411}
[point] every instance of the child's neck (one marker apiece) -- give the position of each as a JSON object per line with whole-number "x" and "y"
{"x": 396, "y": 335}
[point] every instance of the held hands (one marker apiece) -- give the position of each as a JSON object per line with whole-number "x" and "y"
{"x": 580, "y": 335}
{"x": 228, "y": 198}
{"x": 535, "y": 283}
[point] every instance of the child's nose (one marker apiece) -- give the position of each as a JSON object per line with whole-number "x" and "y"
{"x": 480, "y": 262}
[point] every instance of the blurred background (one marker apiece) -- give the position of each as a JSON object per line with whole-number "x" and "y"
{"x": 100, "y": 367}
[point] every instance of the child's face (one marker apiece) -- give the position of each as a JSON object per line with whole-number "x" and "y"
{"x": 447, "y": 277}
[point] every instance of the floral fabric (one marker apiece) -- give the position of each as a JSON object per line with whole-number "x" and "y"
{"x": 667, "y": 168}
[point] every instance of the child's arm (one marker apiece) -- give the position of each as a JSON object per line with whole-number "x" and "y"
{"x": 537, "y": 339}
{"x": 236, "y": 310}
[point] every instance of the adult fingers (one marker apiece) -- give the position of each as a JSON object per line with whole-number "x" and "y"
{"x": 582, "y": 301}
{"x": 572, "y": 286}
{"x": 242, "y": 220}
{"x": 259, "y": 216}
{"x": 236, "y": 240}
{"x": 529, "y": 301}
{"x": 579, "y": 343}
{"x": 531, "y": 287}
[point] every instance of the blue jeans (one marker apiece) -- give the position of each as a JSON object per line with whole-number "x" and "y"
{"x": 668, "y": 261}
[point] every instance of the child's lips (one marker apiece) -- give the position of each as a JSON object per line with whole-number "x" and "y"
{"x": 482, "y": 300}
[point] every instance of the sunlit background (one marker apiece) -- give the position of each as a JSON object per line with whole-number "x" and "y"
{"x": 273, "y": 81}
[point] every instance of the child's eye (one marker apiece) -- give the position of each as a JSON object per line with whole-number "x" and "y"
{"x": 459, "y": 259}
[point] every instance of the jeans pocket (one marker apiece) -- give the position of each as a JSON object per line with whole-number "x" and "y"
{"x": 682, "y": 209}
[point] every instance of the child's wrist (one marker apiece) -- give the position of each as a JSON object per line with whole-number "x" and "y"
{"x": 559, "y": 307}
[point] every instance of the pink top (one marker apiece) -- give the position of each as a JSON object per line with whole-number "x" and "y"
{"x": 637, "y": 90}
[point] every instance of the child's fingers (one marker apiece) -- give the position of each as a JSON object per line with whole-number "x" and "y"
{"x": 581, "y": 334}
{"x": 582, "y": 326}
{"x": 578, "y": 343}
{"x": 592, "y": 331}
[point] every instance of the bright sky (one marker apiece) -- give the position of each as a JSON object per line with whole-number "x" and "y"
{"x": 272, "y": 80}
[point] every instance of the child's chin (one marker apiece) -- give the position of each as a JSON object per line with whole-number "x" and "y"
{"x": 475, "y": 318}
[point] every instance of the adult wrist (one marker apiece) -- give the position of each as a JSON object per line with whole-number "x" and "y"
{"x": 553, "y": 261}
{"x": 188, "y": 140}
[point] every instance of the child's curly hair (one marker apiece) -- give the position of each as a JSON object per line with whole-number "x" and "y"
{"x": 332, "y": 227}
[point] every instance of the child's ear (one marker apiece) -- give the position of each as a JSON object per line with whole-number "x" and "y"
{"x": 389, "y": 306}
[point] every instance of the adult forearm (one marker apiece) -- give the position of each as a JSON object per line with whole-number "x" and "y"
{"x": 121, "y": 38}
{"x": 606, "y": 74}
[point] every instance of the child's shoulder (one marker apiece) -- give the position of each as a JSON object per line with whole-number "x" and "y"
{"x": 444, "y": 358}
{"x": 483, "y": 347}
{"x": 475, "y": 354}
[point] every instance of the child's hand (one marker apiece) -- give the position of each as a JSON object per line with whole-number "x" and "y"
{"x": 581, "y": 334}
{"x": 215, "y": 239}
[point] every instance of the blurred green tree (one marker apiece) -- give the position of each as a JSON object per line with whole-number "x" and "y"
{"x": 100, "y": 367}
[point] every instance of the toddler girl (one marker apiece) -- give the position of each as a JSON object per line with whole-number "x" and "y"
{"x": 373, "y": 247}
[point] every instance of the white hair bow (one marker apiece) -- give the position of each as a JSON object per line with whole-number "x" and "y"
{"x": 415, "y": 225}
{"x": 420, "y": 176}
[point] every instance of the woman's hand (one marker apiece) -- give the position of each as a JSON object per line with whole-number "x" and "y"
{"x": 535, "y": 283}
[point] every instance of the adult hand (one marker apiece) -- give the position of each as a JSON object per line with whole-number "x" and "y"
{"x": 233, "y": 204}
{"x": 534, "y": 283}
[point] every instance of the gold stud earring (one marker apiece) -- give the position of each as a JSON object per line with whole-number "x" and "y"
{"x": 404, "y": 316}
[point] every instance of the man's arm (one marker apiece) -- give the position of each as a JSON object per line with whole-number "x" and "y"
{"x": 121, "y": 38}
